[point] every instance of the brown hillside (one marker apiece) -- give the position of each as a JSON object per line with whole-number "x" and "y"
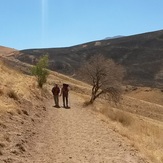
{"x": 5, "y": 51}
{"x": 141, "y": 55}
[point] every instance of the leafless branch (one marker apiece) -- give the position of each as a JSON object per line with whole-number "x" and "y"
{"x": 104, "y": 75}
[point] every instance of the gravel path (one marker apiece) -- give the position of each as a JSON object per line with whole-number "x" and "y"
{"x": 77, "y": 135}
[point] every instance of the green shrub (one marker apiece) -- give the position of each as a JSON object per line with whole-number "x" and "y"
{"x": 40, "y": 70}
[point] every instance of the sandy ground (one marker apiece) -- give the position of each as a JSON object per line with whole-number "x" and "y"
{"x": 77, "y": 135}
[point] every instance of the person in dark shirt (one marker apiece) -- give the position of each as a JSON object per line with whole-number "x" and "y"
{"x": 64, "y": 93}
{"x": 56, "y": 91}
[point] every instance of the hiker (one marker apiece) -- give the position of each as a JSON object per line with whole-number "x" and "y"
{"x": 56, "y": 91}
{"x": 64, "y": 93}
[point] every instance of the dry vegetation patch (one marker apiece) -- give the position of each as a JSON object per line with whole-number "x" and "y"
{"x": 21, "y": 109}
{"x": 153, "y": 95}
{"x": 145, "y": 133}
{"x": 12, "y": 95}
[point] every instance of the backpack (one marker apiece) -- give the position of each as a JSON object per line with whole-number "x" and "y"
{"x": 65, "y": 88}
{"x": 65, "y": 85}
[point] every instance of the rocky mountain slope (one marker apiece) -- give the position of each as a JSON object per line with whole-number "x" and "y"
{"x": 141, "y": 55}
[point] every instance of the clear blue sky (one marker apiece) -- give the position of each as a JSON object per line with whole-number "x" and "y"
{"x": 26, "y": 24}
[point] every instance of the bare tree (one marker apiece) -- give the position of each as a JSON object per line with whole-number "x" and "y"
{"x": 104, "y": 75}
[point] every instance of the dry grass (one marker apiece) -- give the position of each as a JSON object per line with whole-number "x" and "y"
{"x": 12, "y": 95}
{"x": 5, "y": 51}
{"x": 147, "y": 135}
{"x": 147, "y": 94}
{"x": 113, "y": 114}
{"x": 144, "y": 133}
{"x": 1, "y": 92}
{"x": 17, "y": 86}
{"x": 86, "y": 103}
{"x": 120, "y": 116}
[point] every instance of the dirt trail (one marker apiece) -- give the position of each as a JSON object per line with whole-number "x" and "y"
{"x": 77, "y": 135}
